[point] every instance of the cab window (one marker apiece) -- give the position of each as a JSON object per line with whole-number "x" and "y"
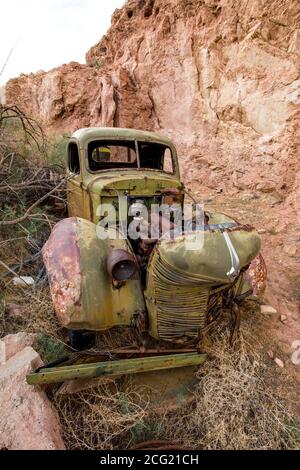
{"x": 103, "y": 155}
{"x": 73, "y": 158}
{"x": 110, "y": 154}
{"x": 154, "y": 156}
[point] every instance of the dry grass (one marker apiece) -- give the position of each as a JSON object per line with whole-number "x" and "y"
{"x": 38, "y": 317}
{"x": 100, "y": 418}
{"x": 235, "y": 406}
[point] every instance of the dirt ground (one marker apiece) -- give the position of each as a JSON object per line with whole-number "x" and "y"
{"x": 278, "y": 227}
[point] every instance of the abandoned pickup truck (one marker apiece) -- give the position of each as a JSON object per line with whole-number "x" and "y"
{"x": 109, "y": 265}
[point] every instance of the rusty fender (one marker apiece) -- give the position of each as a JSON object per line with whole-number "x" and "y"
{"x": 82, "y": 290}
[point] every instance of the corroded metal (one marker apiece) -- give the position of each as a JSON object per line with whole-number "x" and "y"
{"x": 256, "y": 275}
{"x": 185, "y": 287}
{"x": 82, "y": 290}
{"x": 121, "y": 265}
{"x": 62, "y": 260}
{"x": 114, "y": 368}
{"x": 95, "y": 284}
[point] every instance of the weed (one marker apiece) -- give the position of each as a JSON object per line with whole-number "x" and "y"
{"x": 56, "y": 150}
{"x": 49, "y": 348}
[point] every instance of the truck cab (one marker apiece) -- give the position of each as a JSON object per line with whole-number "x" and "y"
{"x": 104, "y": 163}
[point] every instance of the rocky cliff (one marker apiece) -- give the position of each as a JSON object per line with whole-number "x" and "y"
{"x": 220, "y": 77}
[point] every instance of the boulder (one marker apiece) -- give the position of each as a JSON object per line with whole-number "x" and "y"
{"x": 28, "y": 420}
{"x": 12, "y": 344}
{"x": 290, "y": 249}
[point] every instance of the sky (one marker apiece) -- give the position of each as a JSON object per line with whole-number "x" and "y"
{"x": 47, "y": 33}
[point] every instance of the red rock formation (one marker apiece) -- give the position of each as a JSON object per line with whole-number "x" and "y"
{"x": 28, "y": 420}
{"x": 65, "y": 97}
{"x": 220, "y": 77}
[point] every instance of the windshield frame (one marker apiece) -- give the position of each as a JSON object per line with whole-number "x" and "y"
{"x": 138, "y": 168}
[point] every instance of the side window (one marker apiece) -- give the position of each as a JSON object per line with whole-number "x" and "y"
{"x": 168, "y": 162}
{"x": 73, "y": 158}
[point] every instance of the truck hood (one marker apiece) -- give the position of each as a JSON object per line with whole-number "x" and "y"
{"x": 133, "y": 182}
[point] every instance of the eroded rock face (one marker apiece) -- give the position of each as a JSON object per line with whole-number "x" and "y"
{"x": 220, "y": 77}
{"x": 28, "y": 421}
{"x": 62, "y": 99}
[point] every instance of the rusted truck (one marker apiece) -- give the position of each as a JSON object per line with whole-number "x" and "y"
{"x": 122, "y": 259}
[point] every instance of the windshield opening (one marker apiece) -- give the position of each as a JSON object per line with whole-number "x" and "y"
{"x": 155, "y": 156}
{"x": 109, "y": 154}
{"x": 118, "y": 154}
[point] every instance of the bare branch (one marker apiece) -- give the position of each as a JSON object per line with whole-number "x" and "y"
{"x": 27, "y": 214}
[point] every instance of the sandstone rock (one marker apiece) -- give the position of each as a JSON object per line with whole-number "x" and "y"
{"x": 279, "y": 362}
{"x": 290, "y": 249}
{"x": 12, "y": 344}
{"x": 249, "y": 196}
{"x": 265, "y": 139}
{"x": 267, "y": 310}
{"x": 275, "y": 198}
{"x": 28, "y": 420}
{"x": 15, "y": 311}
{"x": 23, "y": 361}
{"x": 2, "y": 352}
{"x": 271, "y": 354}
{"x": 2, "y": 94}
{"x": 203, "y": 79}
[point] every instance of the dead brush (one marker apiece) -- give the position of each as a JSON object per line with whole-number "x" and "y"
{"x": 117, "y": 337}
{"x": 38, "y": 316}
{"x": 32, "y": 200}
{"x": 236, "y": 403}
{"x": 100, "y": 418}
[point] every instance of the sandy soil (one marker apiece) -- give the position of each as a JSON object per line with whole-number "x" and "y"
{"x": 279, "y": 231}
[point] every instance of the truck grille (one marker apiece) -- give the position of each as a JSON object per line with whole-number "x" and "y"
{"x": 181, "y": 301}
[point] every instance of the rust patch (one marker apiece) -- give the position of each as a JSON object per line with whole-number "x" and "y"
{"x": 245, "y": 227}
{"x": 61, "y": 258}
{"x": 256, "y": 275}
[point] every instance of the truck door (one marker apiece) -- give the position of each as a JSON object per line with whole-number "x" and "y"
{"x": 74, "y": 184}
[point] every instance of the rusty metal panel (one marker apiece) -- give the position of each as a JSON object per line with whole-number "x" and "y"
{"x": 62, "y": 260}
{"x": 181, "y": 282}
{"x": 114, "y": 368}
{"x": 82, "y": 290}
